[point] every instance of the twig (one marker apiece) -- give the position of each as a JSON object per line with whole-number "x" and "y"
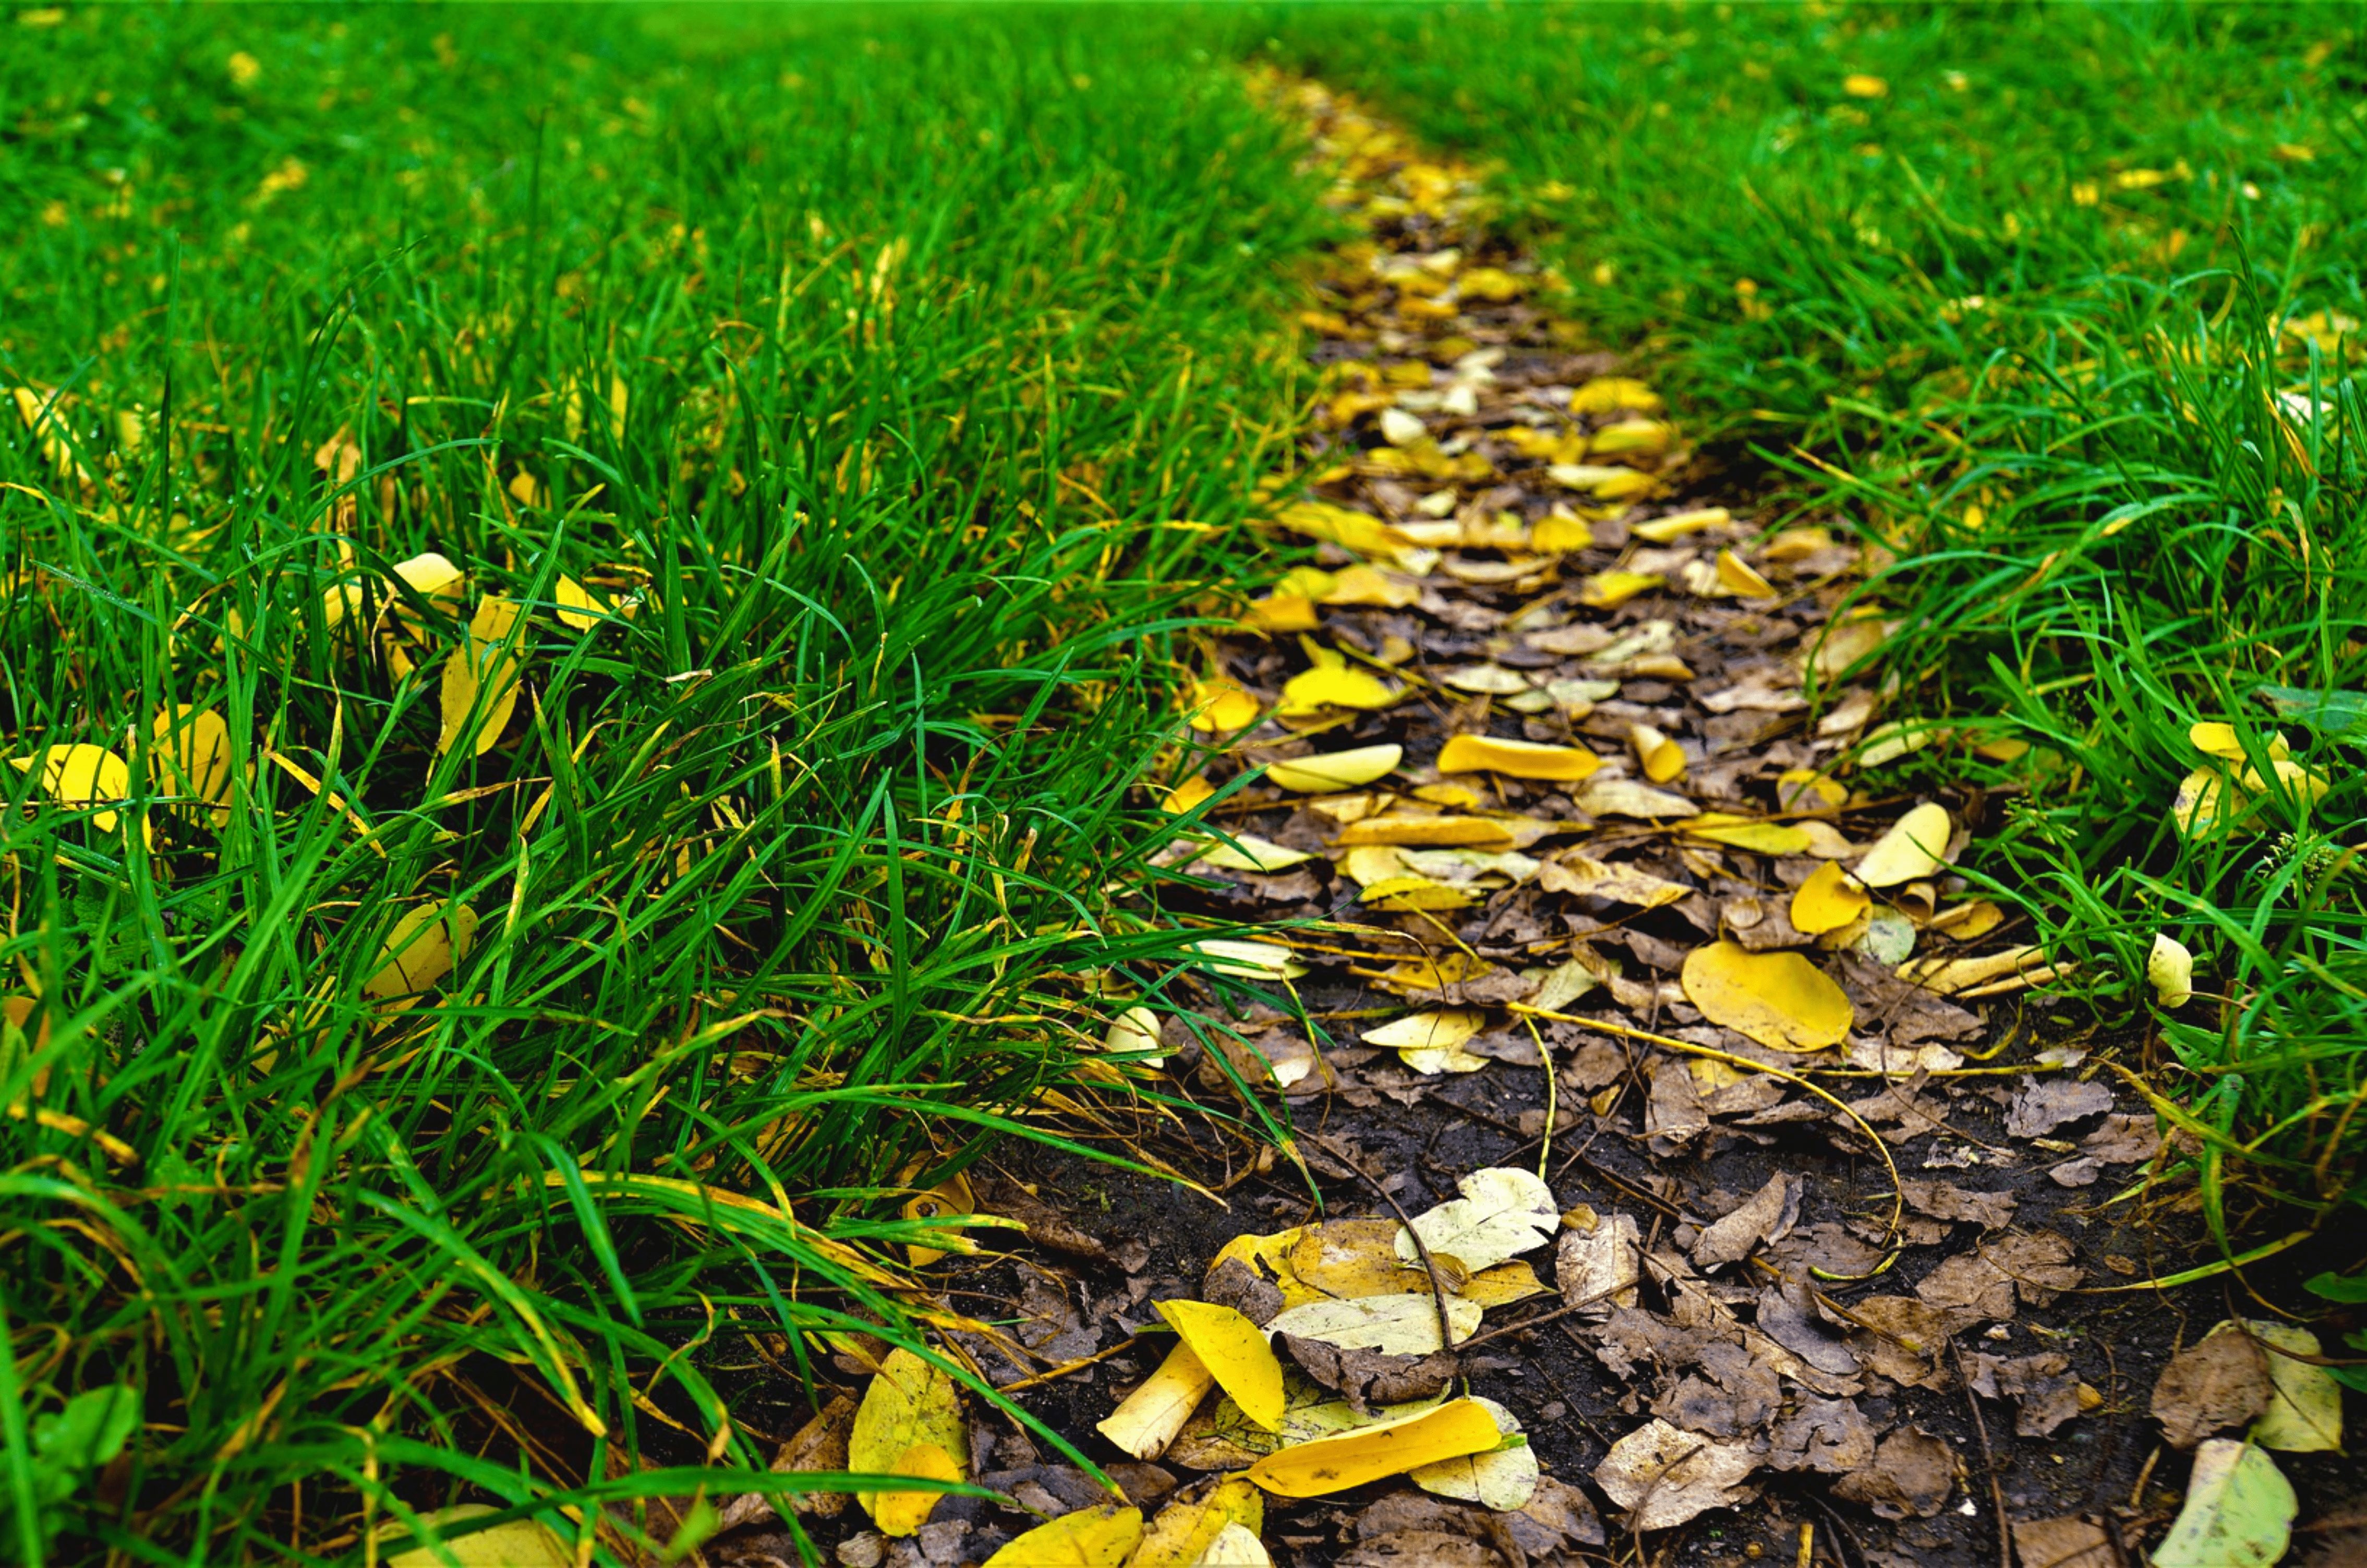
{"x": 1437, "y": 1285}
{"x": 1988, "y": 1459}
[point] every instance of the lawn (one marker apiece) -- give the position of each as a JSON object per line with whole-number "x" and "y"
{"x": 2059, "y": 304}
{"x": 624, "y": 575}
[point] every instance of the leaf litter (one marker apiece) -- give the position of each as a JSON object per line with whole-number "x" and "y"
{"x": 1575, "y": 871}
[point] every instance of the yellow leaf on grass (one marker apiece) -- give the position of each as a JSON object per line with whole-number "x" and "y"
{"x": 2206, "y": 801}
{"x": 910, "y": 1422}
{"x": 1186, "y": 795}
{"x": 1312, "y": 690}
{"x": 1105, "y": 1537}
{"x": 1679, "y": 525}
{"x": 1858, "y": 84}
{"x": 1235, "y": 1353}
{"x": 515, "y": 1543}
{"x": 1520, "y": 759}
{"x": 1245, "y": 960}
{"x": 1735, "y": 577}
{"x": 1248, "y": 852}
{"x": 1221, "y": 706}
{"x": 1749, "y": 833}
{"x": 1336, "y": 1463}
{"x": 1146, "y": 1420}
{"x": 1660, "y": 757}
{"x": 1779, "y": 999}
{"x": 81, "y": 775}
{"x": 952, "y": 1196}
{"x": 191, "y": 759}
{"x": 1828, "y": 901}
{"x": 422, "y": 949}
{"x": 1912, "y": 850}
{"x": 1334, "y": 771}
{"x": 481, "y": 680}
{"x": 1136, "y": 1030}
{"x": 1609, "y": 590}
{"x": 2169, "y": 969}
{"x": 577, "y": 607}
{"x": 1183, "y": 1534}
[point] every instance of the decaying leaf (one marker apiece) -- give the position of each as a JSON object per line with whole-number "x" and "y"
{"x": 910, "y": 1422}
{"x": 2304, "y": 1408}
{"x": 514, "y": 1543}
{"x": 1503, "y": 1478}
{"x": 2238, "y": 1512}
{"x": 1503, "y": 1212}
{"x": 1779, "y": 999}
{"x": 1400, "y": 1325}
{"x": 1386, "y": 1447}
{"x": 1664, "y": 1475}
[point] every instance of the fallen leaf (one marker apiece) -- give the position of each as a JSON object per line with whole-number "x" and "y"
{"x": 1432, "y": 1042}
{"x": 1571, "y": 871}
{"x": 1912, "y": 1474}
{"x": 1737, "y": 578}
{"x": 2169, "y": 969}
{"x": 514, "y": 1543}
{"x": 1105, "y": 1537}
{"x": 1134, "y": 1032}
{"x": 1664, "y": 1475}
{"x": 1246, "y": 960}
{"x": 1519, "y": 759}
{"x": 1609, "y": 590}
{"x": 1503, "y": 1478}
{"x": 1236, "y": 1546}
{"x": 422, "y": 949}
{"x": 1779, "y": 999}
{"x": 2304, "y": 1409}
{"x": 2238, "y": 1512}
{"x": 1597, "y": 1267}
{"x": 1503, "y": 1212}
{"x": 911, "y": 1417}
{"x": 1221, "y": 706}
{"x": 1334, "y": 771}
{"x": 1828, "y": 901}
{"x": 83, "y": 775}
{"x": 191, "y": 759}
{"x": 1745, "y": 833}
{"x": 480, "y": 687}
{"x": 1912, "y": 850}
{"x": 2065, "y": 1542}
{"x": 1631, "y": 797}
{"x": 1248, "y": 852}
{"x": 1187, "y": 1533}
{"x": 1765, "y": 1217}
{"x": 1661, "y": 758}
{"x": 1146, "y": 1420}
{"x": 1313, "y": 690}
{"x": 1404, "y": 1324}
{"x": 1675, "y": 525}
{"x": 1235, "y": 1353}
{"x": 1351, "y": 1459}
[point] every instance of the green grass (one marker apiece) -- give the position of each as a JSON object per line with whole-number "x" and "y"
{"x": 896, "y": 380}
{"x": 2040, "y": 306}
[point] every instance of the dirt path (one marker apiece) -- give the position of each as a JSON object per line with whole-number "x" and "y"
{"x": 1835, "y": 1261}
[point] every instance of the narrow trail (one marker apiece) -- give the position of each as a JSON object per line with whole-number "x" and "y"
{"x": 1778, "y": 1238}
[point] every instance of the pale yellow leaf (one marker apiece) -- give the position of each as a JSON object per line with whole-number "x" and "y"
{"x": 1146, "y": 1420}
{"x": 1335, "y": 770}
{"x": 1186, "y": 1533}
{"x": 1103, "y": 1536}
{"x": 422, "y": 949}
{"x": 1915, "y": 847}
{"x": 2169, "y": 969}
{"x": 191, "y": 759}
{"x": 1779, "y": 999}
{"x": 515, "y": 1543}
{"x": 910, "y": 1422}
{"x": 480, "y": 687}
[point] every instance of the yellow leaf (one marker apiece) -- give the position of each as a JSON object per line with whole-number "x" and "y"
{"x": 1362, "y": 585}
{"x": 1401, "y": 1323}
{"x": 1221, "y": 706}
{"x": 1410, "y": 827}
{"x": 1520, "y": 759}
{"x": 1245, "y": 960}
{"x": 1183, "y": 1533}
{"x": 577, "y": 607}
{"x": 1186, "y": 795}
{"x": 1146, "y": 1420}
{"x": 1248, "y": 852}
{"x": 1606, "y": 393}
{"x": 1749, "y": 833}
{"x": 910, "y": 1422}
{"x": 1858, "y": 84}
{"x": 1312, "y": 690}
{"x": 1349, "y": 1459}
{"x": 484, "y": 668}
{"x": 1235, "y": 1352}
{"x": 1828, "y": 901}
{"x": 515, "y": 1543}
{"x": 1281, "y": 612}
{"x": 431, "y": 575}
{"x": 1236, "y": 1546}
{"x": 1967, "y": 921}
{"x": 422, "y": 949}
{"x": 1633, "y": 435}
{"x": 1090, "y": 1537}
{"x": 1602, "y": 480}
{"x": 1335, "y": 770}
{"x": 903, "y": 1513}
{"x": 1556, "y": 534}
{"x": 1910, "y": 850}
{"x": 1135, "y": 1030}
{"x": 1660, "y": 757}
{"x": 952, "y": 1197}
{"x": 83, "y": 775}
{"x": 1609, "y": 590}
{"x": 2207, "y": 801}
{"x": 1358, "y": 532}
{"x": 1806, "y": 790}
{"x": 1406, "y": 894}
{"x": 1779, "y": 999}
{"x": 1428, "y": 1031}
{"x": 2169, "y": 969}
{"x": 1736, "y": 576}
{"x": 191, "y": 759}
{"x": 1680, "y": 525}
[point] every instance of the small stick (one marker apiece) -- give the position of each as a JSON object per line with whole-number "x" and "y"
{"x": 1988, "y": 1460}
{"x": 1437, "y": 1285}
